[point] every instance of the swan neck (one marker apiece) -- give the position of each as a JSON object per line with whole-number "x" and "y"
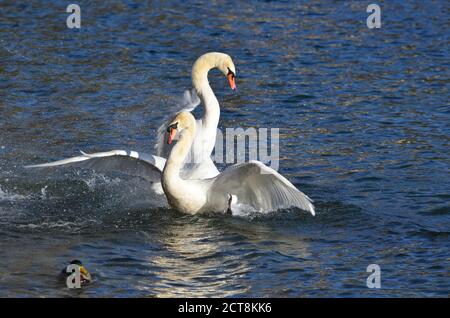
{"x": 178, "y": 155}
{"x": 206, "y": 94}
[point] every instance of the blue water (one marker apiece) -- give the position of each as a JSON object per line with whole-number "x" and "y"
{"x": 364, "y": 131}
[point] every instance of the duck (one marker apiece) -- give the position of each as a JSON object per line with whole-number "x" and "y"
{"x": 85, "y": 276}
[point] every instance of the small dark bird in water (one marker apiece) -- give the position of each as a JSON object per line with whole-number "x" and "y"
{"x": 85, "y": 276}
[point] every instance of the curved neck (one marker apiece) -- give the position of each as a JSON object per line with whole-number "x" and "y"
{"x": 178, "y": 154}
{"x": 201, "y": 84}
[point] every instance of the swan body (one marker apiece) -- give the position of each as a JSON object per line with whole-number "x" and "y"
{"x": 253, "y": 183}
{"x": 150, "y": 166}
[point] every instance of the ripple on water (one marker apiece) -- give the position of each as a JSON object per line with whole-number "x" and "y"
{"x": 363, "y": 125}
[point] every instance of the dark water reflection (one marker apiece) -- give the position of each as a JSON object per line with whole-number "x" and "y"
{"x": 363, "y": 117}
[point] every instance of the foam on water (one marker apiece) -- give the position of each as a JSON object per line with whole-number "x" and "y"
{"x": 9, "y": 196}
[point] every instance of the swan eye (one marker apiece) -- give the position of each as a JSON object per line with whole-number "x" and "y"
{"x": 173, "y": 126}
{"x": 230, "y": 72}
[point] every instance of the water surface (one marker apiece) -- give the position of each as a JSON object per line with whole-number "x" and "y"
{"x": 364, "y": 123}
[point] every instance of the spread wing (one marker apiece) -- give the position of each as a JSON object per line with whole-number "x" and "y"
{"x": 132, "y": 163}
{"x": 259, "y": 186}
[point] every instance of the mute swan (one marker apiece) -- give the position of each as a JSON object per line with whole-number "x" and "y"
{"x": 198, "y": 164}
{"x": 149, "y": 166}
{"x": 252, "y": 184}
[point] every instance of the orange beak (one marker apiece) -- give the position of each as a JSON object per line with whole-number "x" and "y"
{"x": 171, "y": 137}
{"x": 230, "y": 78}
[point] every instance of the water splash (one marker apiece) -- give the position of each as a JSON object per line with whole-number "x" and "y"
{"x": 5, "y": 195}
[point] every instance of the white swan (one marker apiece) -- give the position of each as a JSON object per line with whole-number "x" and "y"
{"x": 149, "y": 166}
{"x": 198, "y": 164}
{"x": 252, "y": 184}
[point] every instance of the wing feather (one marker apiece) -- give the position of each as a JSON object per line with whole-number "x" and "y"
{"x": 132, "y": 163}
{"x": 261, "y": 187}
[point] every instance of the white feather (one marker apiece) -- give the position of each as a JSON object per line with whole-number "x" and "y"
{"x": 129, "y": 162}
{"x": 258, "y": 186}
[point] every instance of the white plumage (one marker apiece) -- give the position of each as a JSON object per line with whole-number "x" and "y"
{"x": 253, "y": 183}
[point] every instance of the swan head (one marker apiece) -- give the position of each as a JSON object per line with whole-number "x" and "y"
{"x": 212, "y": 60}
{"x": 183, "y": 121}
{"x": 226, "y": 66}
